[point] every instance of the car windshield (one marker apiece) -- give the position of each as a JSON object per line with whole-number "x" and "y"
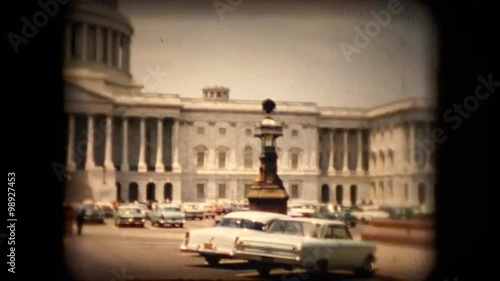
{"x": 240, "y": 223}
{"x": 171, "y": 209}
{"x": 298, "y": 228}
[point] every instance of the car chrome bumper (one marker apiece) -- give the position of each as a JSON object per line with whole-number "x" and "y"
{"x": 267, "y": 259}
{"x": 221, "y": 254}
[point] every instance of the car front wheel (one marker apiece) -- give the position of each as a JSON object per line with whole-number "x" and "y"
{"x": 366, "y": 269}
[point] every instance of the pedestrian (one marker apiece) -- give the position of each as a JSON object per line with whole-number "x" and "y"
{"x": 79, "y": 220}
{"x": 69, "y": 216}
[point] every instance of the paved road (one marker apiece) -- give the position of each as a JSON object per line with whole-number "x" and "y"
{"x": 105, "y": 252}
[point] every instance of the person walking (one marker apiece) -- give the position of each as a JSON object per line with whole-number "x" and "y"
{"x": 79, "y": 220}
{"x": 69, "y": 216}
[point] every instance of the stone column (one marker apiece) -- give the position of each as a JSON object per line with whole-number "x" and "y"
{"x": 67, "y": 42}
{"x": 331, "y": 159}
{"x": 84, "y": 42}
{"x": 159, "y": 146}
{"x": 99, "y": 45}
{"x": 175, "y": 146}
{"x": 141, "y": 166}
{"x": 108, "y": 161}
{"x": 313, "y": 155}
{"x": 70, "y": 162}
{"x": 345, "y": 166}
{"x": 284, "y": 162}
{"x": 232, "y": 159}
{"x": 211, "y": 159}
{"x": 109, "y": 46}
{"x": 176, "y": 191}
{"x": 359, "y": 161}
{"x": 411, "y": 159}
{"x": 346, "y": 195}
{"x": 125, "y": 166}
{"x": 89, "y": 162}
{"x": 160, "y": 191}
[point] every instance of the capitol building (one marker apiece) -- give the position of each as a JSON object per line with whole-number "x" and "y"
{"x": 127, "y": 144}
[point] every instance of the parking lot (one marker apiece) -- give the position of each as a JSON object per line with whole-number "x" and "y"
{"x": 107, "y": 252}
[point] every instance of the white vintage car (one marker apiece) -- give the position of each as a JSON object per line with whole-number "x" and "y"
{"x": 316, "y": 245}
{"x": 366, "y": 214}
{"x": 216, "y": 243}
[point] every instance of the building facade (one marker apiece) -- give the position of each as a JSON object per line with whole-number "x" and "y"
{"x": 125, "y": 144}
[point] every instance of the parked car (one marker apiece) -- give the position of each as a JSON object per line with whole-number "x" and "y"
{"x": 293, "y": 212}
{"x": 131, "y": 215}
{"x": 345, "y": 217}
{"x": 240, "y": 207}
{"x": 107, "y": 208}
{"x": 217, "y": 242}
{"x": 302, "y": 210}
{"x": 193, "y": 211}
{"x": 167, "y": 214}
{"x": 93, "y": 213}
{"x": 366, "y": 214}
{"x": 209, "y": 210}
{"x": 316, "y": 245}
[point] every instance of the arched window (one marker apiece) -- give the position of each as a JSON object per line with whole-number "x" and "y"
{"x": 248, "y": 157}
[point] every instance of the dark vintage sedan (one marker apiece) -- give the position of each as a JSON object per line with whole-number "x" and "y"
{"x": 346, "y": 217}
{"x": 129, "y": 215}
{"x": 92, "y": 213}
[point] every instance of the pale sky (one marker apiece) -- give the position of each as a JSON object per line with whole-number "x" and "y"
{"x": 284, "y": 50}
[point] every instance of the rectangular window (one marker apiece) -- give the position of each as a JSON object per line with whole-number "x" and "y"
{"x": 200, "y": 191}
{"x": 201, "y": 130}
{"x": 295, "y": 161}
{"x": 295, "y": 133}
{"x": 222, "y": 131}
{"x": 222, "y": 191}
{"x": 295, "y": 191}
{"x": 222, "y": 160}
{"x": 200, "y": 159}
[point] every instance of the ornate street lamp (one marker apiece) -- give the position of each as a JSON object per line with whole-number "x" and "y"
{"x": 268, "y": 193}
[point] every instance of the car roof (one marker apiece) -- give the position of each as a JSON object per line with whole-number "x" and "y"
{"x": 256, "y": 215}
{"x": 314, "y": 220}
